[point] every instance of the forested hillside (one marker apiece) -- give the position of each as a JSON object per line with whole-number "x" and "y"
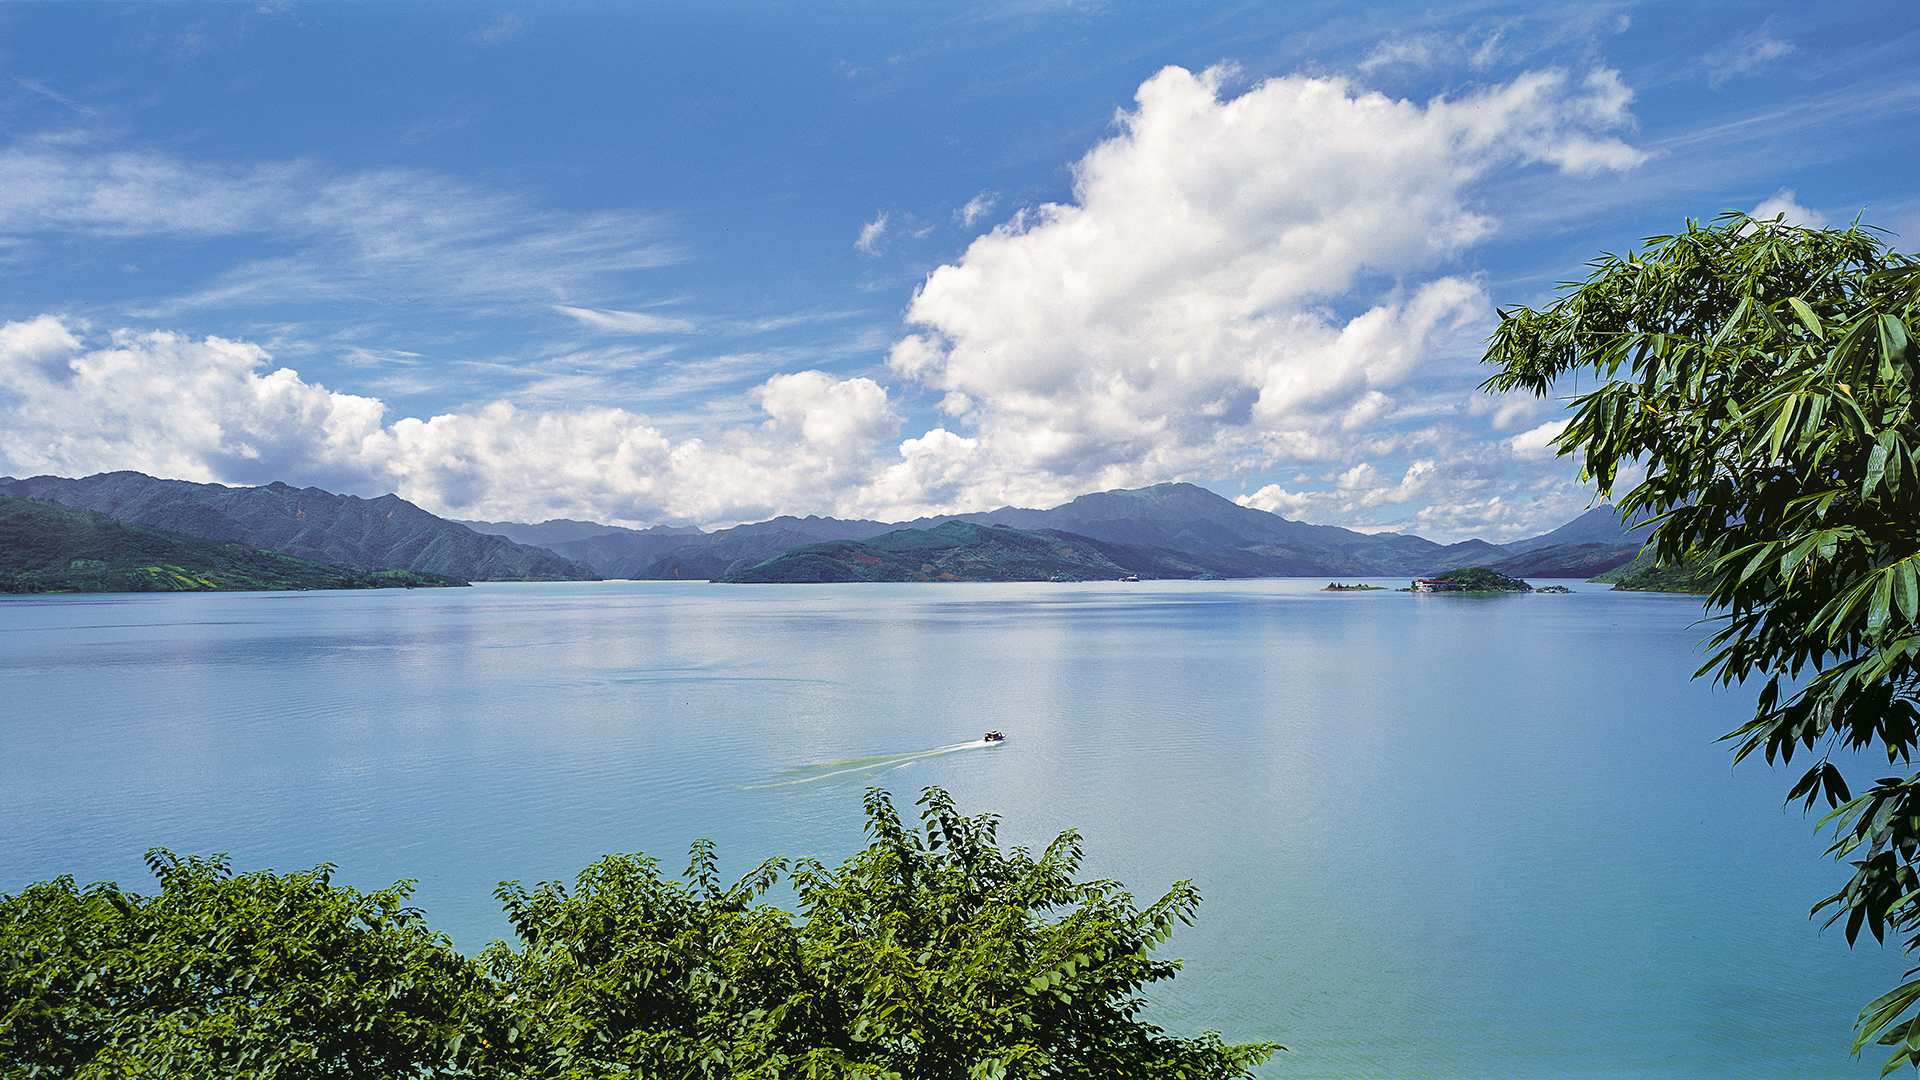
{"x": 46, "y": 548}
{"x": 387, "y": 533}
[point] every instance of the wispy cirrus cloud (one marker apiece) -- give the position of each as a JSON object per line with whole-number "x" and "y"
{"x": 976, "y": 209}
{"x": 44, "y": 91}
{"x": 1749, "y": 52}
{"x": 628, "y": 322}
{"x": 506, "y": 26}
{"x": 1472, "y": 38}
{"x": 871, "y": 235}
{"x": 394, "y": 234}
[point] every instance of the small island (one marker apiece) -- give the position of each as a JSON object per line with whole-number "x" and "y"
{"x": 1470, "y": 579}
{"x": 1334, "y": 586}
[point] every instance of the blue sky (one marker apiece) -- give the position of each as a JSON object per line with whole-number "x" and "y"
{"x": 655, "y": 263}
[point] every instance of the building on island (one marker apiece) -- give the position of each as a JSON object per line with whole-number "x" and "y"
{"x": 1438, "y": 585}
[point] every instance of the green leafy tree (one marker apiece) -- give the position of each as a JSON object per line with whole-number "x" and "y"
{"x": 260, "y": 975}
{"x": 932, "y": 954}
{"x": 1763, "y": 375}
{"x": 950, "y": 958}
{"x": 630, "y": 971}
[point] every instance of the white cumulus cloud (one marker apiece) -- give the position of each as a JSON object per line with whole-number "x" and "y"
{"x": 1183, "y": 315}
{"x": 215, "y": 410}
{"x": 1537, "y": 444}
{"x": 1785, "y": 202}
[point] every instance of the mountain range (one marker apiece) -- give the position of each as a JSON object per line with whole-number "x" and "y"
{"x": 1166, "y": 530}
{"x": 1193, "y": 530}
{"x": 387, "y": 533}
{"x": 48, "y": 547}
{"x": 950, "y": 551}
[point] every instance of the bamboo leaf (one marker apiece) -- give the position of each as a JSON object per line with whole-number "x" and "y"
{"x": 1849, "y": 340}
{"x": 1883, "y": 1010}
{"x": 1882, "y": 602}
{"x": 1906, "y": 592}
{"x": 1893, "y": 338}
{"x": 1876, "y": 471}
{"x": 1783, "y": 424}
{"x": 1807, "y": 317}
{"x": 1899, "y": 459}
{"x": 1734, "y": 320}
{"x": 1773, "y": 321}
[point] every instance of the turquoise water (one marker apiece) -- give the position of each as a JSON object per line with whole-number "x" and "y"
{"x": 1438, "y": 836}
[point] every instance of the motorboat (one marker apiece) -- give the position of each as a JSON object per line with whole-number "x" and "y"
{"x": 993, "y": 737}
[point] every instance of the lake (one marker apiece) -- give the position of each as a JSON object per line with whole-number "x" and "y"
{"x": 1438, "y": 836}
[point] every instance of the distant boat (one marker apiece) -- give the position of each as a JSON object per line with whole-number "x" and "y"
{"x": 993, "y": 737}
{"x": 1131, "y": 577}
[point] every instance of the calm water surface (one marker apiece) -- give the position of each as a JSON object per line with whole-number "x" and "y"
{"x": 1438, "y": 836}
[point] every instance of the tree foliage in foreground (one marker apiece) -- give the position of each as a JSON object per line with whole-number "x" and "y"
{"x": 1764, "y": 376}
{"x": 256, "y": 975}
{"x": 933, "y": 954}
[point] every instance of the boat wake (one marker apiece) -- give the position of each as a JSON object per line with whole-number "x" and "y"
{"x": 848, "y": 772}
